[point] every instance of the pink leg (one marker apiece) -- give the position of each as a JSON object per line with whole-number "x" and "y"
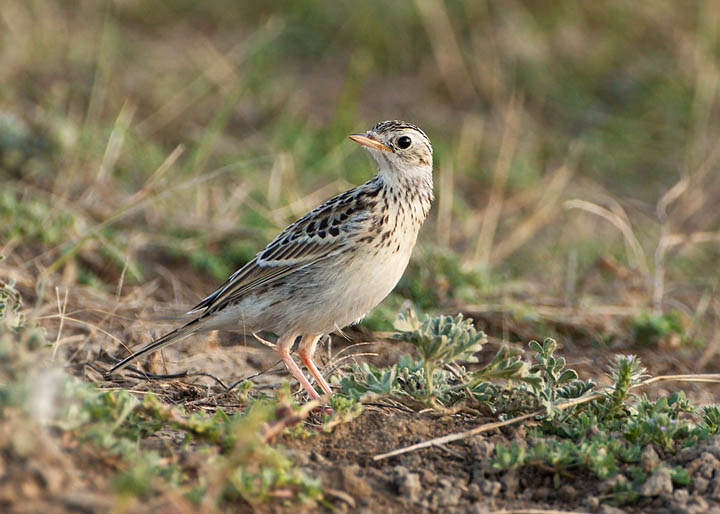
{"x": 306, "y": 351}
{"x": 283, "y": 345}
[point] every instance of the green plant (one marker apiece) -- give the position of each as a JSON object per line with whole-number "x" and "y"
{"x": 440, "y": 378}
{"x": 555, "y": 382}
{"x": 625, "y": 373}
{"x": 505, "y": 385}
{"x": 440, "y": 341}
{"x": 606, "y": 435}
{"x": 33, "y": 219}
{"x": 11, "y": 315}
{"x": 649, "y": 328}
{"x": 710, "y": 419}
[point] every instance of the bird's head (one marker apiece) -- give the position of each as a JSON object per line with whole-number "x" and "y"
{"x": 398, "y": 148}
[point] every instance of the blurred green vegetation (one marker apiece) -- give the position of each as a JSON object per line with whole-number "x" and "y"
{"x": 182, "y": 122}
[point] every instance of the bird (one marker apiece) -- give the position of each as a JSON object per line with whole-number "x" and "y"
{"x": 328, "y": 269}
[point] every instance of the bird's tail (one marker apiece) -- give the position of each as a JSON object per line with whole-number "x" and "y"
{"x": 179, "y": 333}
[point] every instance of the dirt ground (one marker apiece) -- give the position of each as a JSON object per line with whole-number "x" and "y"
{"x": 457, "y": 478}
{"x": 450, "y": 478}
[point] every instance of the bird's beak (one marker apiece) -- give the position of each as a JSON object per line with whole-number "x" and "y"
{"x": 369, "y": 141}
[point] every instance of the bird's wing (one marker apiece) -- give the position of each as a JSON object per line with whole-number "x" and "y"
{"x": 325, "y": 231}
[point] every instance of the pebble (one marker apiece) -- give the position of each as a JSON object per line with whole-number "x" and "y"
{"x": 473, "y": 492}
{"x": 429, "y": 477}
{"x": 705, "y": 465}
{"x": 680, "y": 497}
{"x": 713, "y": 446}
{"x": 649, "y": 458}
{"x": 511, "y": 482}
{"x": 608, "y": 485}
{"x": 408, "y": 484}
{"x": 447, "y": 494}
{"x": 567, "y": 493}
{"x": 591, "y": 503}
{"x": 609, "y": 509}
{"x": 714, "y": 488}
{"x": 697, "y": 505}
{"x": 481, "y": 449}
{"x": 354, "y": 484}
{"x": 688, "y": 454}
{"x": 700, "y": 484}
{"x": 490, "y": 487}
{"x": 658, "y": 484}
{"x": 480, "y": 508}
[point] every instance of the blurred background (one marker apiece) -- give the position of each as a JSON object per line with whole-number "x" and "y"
{"x": 148, "y": 149}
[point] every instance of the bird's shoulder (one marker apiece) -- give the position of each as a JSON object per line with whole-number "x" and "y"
{"x": 329, "y": 224}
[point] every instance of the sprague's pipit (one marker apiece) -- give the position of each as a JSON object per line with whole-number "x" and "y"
{"x": 333, "y": 265}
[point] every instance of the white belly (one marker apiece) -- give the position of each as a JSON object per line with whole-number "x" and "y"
{"x": 379, "y": 276}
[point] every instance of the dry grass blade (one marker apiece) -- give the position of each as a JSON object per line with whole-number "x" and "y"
{"x": 671, "y": 195}
{"x": 711, "y": 377}
{"x": 341, "y": 495}
{"x": 491, "y": 216}
{"x": 672, "y": 240}
{"x": 446, "y": 50}
{"x": 61, "y": 313}
{"x": 445, "y": 203}
{"x": 551, "y": 312}
{"x": 636, "y": 252}
{"x": 708, "y": 377}
{"x": 546, "y": 210}
{"x": 666, "y": 242}
{"x": 332, "y": 366}
{"x": 94, "y": 327}
{"x": 351, "y": 347}
{"x": 146, "y": 375}
{"x": 117, "y": 138}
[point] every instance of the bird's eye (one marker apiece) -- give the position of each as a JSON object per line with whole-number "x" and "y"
{"x": 404, "y": 142}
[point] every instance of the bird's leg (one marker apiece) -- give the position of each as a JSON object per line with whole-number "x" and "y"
{"x": 306, "y": 351}
{"x": 284, "y": 345}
